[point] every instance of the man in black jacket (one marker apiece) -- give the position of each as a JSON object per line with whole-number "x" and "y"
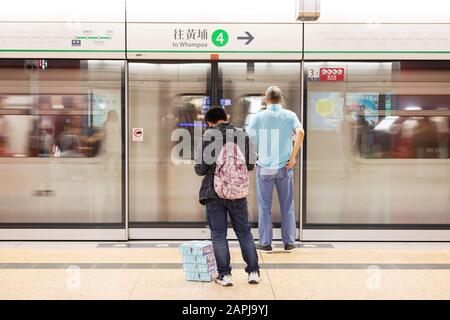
{"x": 219, "y": 131}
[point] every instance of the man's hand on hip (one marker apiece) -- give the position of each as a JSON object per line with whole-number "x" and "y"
{"x": 291, "y": 163}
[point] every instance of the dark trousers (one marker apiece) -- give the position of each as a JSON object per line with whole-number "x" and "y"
{"x": 216, "y": 210}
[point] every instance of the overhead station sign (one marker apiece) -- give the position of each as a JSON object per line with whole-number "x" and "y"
{"x": 213, "y": 41}
{"x": 62, "y": 40}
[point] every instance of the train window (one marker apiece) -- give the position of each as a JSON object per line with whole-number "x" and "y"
{"x": 402, "y": 113}
{"x": 378, "y": 135}
{"x": 62, "y": 110}
{"x": 255, "y": 104}
{"x": 60, "y": 140}
{"x": 190, "y": 111}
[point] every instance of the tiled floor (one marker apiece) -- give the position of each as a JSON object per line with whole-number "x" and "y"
{"x": 89, "y": 270}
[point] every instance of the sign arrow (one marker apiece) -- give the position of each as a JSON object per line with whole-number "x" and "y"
{"x": 249, "y": 38}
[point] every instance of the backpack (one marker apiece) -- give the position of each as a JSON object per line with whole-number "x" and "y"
{"x": 231, "y": 179}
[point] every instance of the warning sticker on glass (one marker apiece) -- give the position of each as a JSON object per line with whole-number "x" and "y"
{"x": 138, "y": 134}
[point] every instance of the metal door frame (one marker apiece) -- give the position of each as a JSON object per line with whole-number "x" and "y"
{"x": 164, "y": 230}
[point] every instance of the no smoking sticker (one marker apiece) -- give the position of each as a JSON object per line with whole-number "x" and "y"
{"x": 138, "y": 134}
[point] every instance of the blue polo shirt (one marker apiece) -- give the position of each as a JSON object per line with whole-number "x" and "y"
{"x": 273, "y": 131}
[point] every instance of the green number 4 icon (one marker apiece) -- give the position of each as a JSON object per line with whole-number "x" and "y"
{"x": 219, "y": 38}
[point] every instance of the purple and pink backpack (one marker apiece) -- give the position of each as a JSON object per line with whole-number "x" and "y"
{"x": 231, "y": 179}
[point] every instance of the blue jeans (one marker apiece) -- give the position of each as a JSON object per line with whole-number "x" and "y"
{"x": 216, "y": 210}
{"x": 283, "y": 179}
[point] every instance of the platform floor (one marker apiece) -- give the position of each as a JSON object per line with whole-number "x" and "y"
{"x": 152, "y": 270}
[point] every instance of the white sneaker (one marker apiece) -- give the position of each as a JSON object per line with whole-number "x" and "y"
{"x": 224, "y": 280}
{"x": 254, "y": 277}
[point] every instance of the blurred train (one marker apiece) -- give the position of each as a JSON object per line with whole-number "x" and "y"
{"x": 92, "y": 98}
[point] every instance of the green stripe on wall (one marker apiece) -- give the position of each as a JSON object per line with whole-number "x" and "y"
{"x": 212, "y": 51}
{"x": 147, "y": 51}
{"x": 51, "y": 50}
{"x": 230, "y": 51}
{"x": 380, "y": 52}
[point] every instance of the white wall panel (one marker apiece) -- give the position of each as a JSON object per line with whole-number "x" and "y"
{"x": 377, "y": 41}
{"x": 63, "y": 11}
{"x": 392, "y": 11}
{"x": 63, "y": 29}
{"x": 55, "y": 40}
{"x": 385, "y": 11}
{"x": 211, "y": 11}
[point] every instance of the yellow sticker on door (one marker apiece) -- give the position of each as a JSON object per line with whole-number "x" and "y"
{"x": 324, "y": 107}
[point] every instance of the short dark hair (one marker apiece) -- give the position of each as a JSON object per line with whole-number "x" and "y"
{"x": 216, "y": 114}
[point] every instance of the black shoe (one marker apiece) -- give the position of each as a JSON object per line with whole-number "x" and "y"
{"x": 289, "y": 247}
{"x": 262, "y": 248}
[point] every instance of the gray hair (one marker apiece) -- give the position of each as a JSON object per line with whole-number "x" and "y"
{"x": 274, "y": 94}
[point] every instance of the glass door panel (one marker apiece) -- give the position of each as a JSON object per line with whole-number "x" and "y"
{"x": 165, "y": 100}
{"x": 61, "y": 143}
{"x": 242, "y": 91}
{"x": 378, "y": 144}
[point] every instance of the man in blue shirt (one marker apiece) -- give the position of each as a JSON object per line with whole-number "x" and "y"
{"x": 278, "y": 135}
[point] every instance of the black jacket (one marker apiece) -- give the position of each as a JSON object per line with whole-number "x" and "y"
{"x": 206, "y": 167}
